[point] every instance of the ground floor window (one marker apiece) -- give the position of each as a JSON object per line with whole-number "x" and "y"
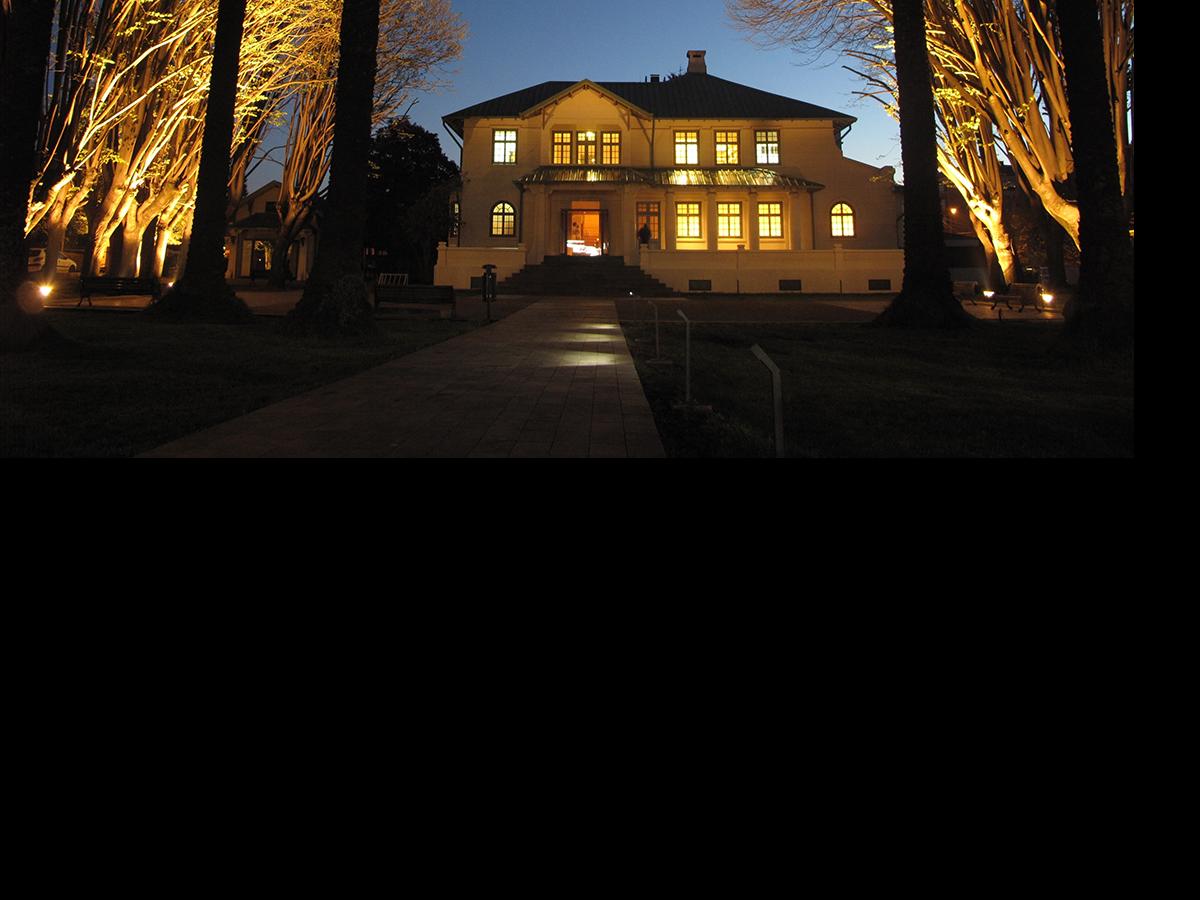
{"x": 647, "y": 216}
{"x": 729, "y": 220}
{"x": 770, "y": 220}
{"x": 687, "y": 216}
{"x": 504, "y": 220}
{"x": 843, "y": 220}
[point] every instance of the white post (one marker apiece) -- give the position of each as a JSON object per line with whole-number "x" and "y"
{"x": 777, "y": 389}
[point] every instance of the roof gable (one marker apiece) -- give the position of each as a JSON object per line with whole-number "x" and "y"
{"x": 691, "y": 96}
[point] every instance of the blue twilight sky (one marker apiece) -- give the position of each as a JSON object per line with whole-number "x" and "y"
{"x": 517, "y": 43}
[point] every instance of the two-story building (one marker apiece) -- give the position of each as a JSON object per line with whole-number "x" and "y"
{"x": 739, "y": 189}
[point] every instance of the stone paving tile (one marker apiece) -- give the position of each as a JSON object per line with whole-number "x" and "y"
{"x": 554, "y": 379}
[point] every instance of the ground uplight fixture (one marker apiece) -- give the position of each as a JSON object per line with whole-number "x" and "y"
{"x": 1047, "y": 298}
{"x": 989, "y": 294}
{"x": 44, "y": 290}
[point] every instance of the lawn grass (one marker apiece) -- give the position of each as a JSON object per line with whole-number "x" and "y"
{"x": 855, "y": 391}
{"x": 125, "y": 383}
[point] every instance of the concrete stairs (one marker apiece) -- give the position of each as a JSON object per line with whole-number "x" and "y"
{"x": 582, "y": 276}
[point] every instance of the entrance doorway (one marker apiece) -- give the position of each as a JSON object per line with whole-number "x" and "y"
{"x": 586, "y": 232}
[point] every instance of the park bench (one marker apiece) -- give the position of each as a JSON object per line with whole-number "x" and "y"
{"x": 411, "y": 293}
{"x": 966, "y": 290}
{"x": 388, "y": 286}
{"x": 90, "y": 284}
{"x": 1030, "y": 295}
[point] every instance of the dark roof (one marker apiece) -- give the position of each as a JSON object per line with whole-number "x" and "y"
{"x": 669, "y": 177}
{"x": 259, "y": 220}
{"x": 692, "y": 96}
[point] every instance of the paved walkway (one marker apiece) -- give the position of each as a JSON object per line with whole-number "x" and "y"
{"x": 552, "y": 380}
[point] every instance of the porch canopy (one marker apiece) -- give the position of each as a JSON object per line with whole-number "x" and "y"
{"x": 691, "y": 177}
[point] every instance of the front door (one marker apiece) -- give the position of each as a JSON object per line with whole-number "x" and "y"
{"x": 585, "y": 232}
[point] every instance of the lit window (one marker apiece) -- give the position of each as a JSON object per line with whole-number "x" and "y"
{"x": 687, "y": 217}
{"x": 455, "y": 218}
{"x": 727, "y": 148}
{"x": 687, "y": 148}
{"x": 770, "y": 220}
{"x": 843, "y": 220}
{"x": 562, "y": 148}
{"x": 766, "y": 147}
{"x": 504, "y": 148}
{"x": 647, "y": 215}
{"x": 729, "y": 220}
{"x": 585, "y": 148}
{"x": 504, "y": 220}
{"x": 610, "y": 146}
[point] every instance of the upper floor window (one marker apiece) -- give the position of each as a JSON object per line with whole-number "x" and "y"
{"x": 585, "y": 148}
{"x": 562, "y": 148}
{"x": 610, "y": 148}
{"x": 687, "y": 148}
{"x": 504, "y": 148}
{"x": 766, "y": 147}
{"x": 504, "y": 220}
{"x": 727, "y": 148}
{"x": 455, "y": 217}
{"x": 843, "y": 220}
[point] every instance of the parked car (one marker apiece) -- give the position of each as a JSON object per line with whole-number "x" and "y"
{"x": 37, "y": 261}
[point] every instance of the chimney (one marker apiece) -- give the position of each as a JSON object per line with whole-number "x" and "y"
{"x": 655, "y": 79}
{"x": 696, "y": 64}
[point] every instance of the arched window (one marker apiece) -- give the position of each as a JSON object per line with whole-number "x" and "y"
{"x": 504, "y": 220}
{"x": 843, "y": 220}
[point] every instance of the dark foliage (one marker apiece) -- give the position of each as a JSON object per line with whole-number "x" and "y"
{"x": 410, "y": 188}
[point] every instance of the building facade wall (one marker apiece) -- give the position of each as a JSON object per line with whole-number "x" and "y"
{"x": 808, "y": 150}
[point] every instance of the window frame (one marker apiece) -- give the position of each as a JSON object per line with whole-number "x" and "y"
{"x": 507, "y": 215}
{"x": 607, "y": 158}
{"x": 556, "y": 145}
{"x": 763, "y": 145}
{"x": 649, "y": 212}
{"x": 689, "y": 142}
{"x": 736, "y": 144}
{"x": 838, "y": 220}
{"x": 497, "y": 143}
{"x": 582, "y": 144}
{"x": 692, "y": 218}
{"x": 726, "y": 218}
{"x": 769, "y": 217}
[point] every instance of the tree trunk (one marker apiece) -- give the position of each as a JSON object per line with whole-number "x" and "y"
{"x": 131, "y": 248}
{"x": 201, "y": 291}
{"x": 1101, "y": 312}
{"x": 335, "y": 298}
{"x": 927, "y": 297}
{"x": 1056, "y": 263}
{"x": 161, "y": 239}
{"x": 24, "y": 49}
{"x": 281, "y": 250}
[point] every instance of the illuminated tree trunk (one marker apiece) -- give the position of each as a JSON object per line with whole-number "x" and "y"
{"x": 131, "y": 248}
{"x": 1102, "y": 310}
{"x": 201, "y": 290}
{"x": 24, "y": 48}
{"x": 927, "y": 297}
{"x": 335, "y": 298}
